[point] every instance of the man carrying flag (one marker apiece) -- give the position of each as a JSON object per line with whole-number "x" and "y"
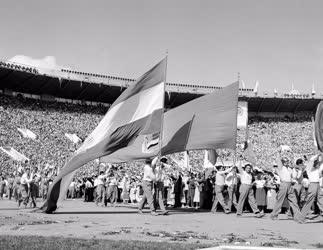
{"x": 127, "y": 132}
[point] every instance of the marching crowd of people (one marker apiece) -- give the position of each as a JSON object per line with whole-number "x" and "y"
{"x": 295, "y": 188}
{"x": 274, "y": 184}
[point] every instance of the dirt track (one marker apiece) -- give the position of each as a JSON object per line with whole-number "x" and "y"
{"x": 85, "y": 220}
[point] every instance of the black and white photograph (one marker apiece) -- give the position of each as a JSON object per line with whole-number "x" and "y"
{"x": 174, "y": 124}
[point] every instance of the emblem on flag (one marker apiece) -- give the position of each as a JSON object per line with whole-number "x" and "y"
{"x": 150, "y": 143}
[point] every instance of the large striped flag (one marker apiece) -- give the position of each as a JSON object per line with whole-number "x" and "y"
{"x": 129, "y": 131}
{"x": 208, "y": 122}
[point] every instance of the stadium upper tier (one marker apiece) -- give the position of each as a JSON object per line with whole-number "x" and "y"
{"x": 68, "y": 85}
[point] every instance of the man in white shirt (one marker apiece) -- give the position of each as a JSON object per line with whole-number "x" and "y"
{"x": 147, "y": 185}
{"x": 219, "y": 187}
{"x": 314, "y": 171}
{"x": 100, "y": 188}
{"x": 112, "y": 190}
{"x": 246, "y": 191}
{"x": 25, "y": 180}
{"x": 286, "y": 191}
{"x": 160, "y": 178}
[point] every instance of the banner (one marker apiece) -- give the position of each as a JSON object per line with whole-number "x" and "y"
{"x": 14, "y": 154}
{"x": 73, "y": 138}
{"x": 26, "y": 133}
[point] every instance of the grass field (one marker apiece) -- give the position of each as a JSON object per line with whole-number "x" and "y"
{"x": 41, "y": 243}
{"x": 80, "y": 225}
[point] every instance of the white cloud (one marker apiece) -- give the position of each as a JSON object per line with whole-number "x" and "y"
{"x": 48, "y": 62}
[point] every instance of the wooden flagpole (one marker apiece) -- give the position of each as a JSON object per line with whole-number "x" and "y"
{"x": 162, "y": 116}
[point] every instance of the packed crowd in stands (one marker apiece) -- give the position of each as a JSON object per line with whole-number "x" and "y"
{"x": 193, "y": 187}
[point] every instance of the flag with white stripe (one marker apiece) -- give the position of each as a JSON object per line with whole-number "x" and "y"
{"x": 122, "y": 135}
{"x": 73, "y": 138}
{"x": 26, "y": 133}
{"x": 14, "y": 154}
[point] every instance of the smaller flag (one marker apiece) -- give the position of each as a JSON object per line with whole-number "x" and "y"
{"x": 242, "y": 115}
{"x": 249, "y": 154}
{"x": 209, "y": 121}
{"x": 182, "y": 163}
{"x": 255, "y": 90}
{"x": 210, "y": 158}
{"x": 243, "y": 85}
{"x": 313, "y": 89}
{"x": 285, "y": 148}
{"x": 73, "y": 138}
{"x": 151, "y": 141}
{"x": 26, "y": 133}
{"x": 186, "y": 160}
{"x": 313, "y": 127}
{"x": 14, "y": 154}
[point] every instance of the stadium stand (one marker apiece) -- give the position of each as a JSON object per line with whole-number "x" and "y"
{"x": 75, "y": 86}
{"x": 51, "y": 103}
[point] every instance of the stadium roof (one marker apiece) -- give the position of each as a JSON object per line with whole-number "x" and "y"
{"x": 91, "y": 87}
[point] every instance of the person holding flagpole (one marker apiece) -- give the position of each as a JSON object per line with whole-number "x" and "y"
{"x": 286, "y": 190}
{"x": 160, "y": 178}
{"x": 314, "y": 171}
{"x": 147, "y": 185}
{"x": 246, "y": 191}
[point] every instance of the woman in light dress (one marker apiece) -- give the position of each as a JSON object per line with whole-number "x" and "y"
{"x": 271, "y": 193}
{"x": 261, "y": 196}
{"x": 196, "y": 199}
{"x": 171, "y": 193}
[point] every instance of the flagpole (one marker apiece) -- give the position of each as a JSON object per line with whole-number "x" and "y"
{"x": 163, "y": 110}
{"x": 236, "y": 124}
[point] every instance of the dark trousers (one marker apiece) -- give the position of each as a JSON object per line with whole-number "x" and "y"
{"x": 10, "y": 192}
{"x": 33, "y": 194}
{"x": 165, "y": 194}
{"x": 191, "y": 193}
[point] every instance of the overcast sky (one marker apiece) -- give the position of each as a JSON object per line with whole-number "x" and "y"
{"x": 275, "y": 42}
